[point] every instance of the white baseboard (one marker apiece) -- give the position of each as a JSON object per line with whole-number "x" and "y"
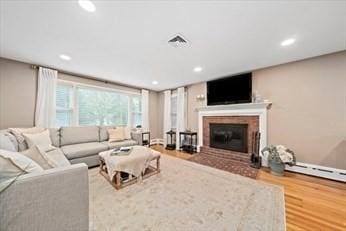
{"x": 320, "y": 171}
{"x": 156, "y": 141}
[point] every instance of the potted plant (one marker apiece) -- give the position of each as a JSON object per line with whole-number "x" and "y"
{"x": 278, "y": 156}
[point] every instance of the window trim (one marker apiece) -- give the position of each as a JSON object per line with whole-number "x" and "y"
{"x": 74, "y": 110}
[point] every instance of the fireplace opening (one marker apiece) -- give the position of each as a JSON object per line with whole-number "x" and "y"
{"x": 229, "y": 136}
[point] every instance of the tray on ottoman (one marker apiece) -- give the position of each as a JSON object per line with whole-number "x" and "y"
{"x": 122, "y": 170}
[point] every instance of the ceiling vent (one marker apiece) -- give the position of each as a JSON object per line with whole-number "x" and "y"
{"x": 177, "y": 41}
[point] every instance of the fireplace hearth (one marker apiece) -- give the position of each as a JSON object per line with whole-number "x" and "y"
{"x": 231, "y": 137}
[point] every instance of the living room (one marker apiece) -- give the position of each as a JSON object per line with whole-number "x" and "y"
{"x": 172, "y": 115}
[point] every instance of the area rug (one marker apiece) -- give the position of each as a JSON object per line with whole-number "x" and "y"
{"x": 225, "y": 164}
{"x": 186, "y": 196}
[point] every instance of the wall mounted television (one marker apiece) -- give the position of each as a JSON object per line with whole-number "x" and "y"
{"x": 230, "y": 90}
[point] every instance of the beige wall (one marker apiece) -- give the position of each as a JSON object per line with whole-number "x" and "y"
{"x": 18, "y": 86}
{"x": 18, "y": 83}
{"x": 308, "y": 113}
{"x": 193, "y": 104}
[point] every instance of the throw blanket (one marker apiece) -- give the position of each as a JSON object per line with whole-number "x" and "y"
{"x": 135, "y": 163}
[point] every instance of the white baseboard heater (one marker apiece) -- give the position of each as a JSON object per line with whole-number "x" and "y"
{"x": 320, "y": 171}
{"x": 156, "y": 141}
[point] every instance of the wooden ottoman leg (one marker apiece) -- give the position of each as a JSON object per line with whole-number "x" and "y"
{"x": 158, "y": 164}
{"x": 118, "y": 180}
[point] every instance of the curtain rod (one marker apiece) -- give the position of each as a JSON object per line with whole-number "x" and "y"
{"x": 36, "y": 67}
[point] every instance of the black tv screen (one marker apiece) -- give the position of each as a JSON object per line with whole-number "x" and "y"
{"x": 230, "y": 90}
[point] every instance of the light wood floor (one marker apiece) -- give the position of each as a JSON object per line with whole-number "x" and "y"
{"x": 311, "y": 203}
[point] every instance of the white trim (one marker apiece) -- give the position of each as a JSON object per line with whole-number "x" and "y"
{"x": 320, "y": 171}
{"x": 157, "y": 141}
{"x": 250, "y": 109}
{"x": 99, "y": 87}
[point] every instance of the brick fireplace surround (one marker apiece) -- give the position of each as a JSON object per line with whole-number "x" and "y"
{"x": 253, "y": 114}
{"x": 251, "y": 121}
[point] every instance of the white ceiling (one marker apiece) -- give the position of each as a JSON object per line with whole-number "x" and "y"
{"x": 126, "y": 41}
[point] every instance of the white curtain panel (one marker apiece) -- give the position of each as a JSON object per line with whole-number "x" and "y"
{"x": 181, "y": 118}
{"x": 45, "y": 104}
{"x": 145, "y": 110}
{"x": 166, "y": 115}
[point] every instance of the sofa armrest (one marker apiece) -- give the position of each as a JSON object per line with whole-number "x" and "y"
{"x": 137, "y": 136}
{"x": 55, "y": 199}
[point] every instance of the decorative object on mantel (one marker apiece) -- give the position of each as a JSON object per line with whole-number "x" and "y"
{"x": 256, "y": 97}
{"x": 278, "y": 156}
{"x": 256, "y": 160}
{"x": 200, "y": 99}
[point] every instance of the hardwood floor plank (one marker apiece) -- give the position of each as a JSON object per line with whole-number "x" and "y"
{"x": 311, "y": 203}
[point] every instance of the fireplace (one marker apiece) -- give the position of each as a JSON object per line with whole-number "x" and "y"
{"x": 231, "y": 137}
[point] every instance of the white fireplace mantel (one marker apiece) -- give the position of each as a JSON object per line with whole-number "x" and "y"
{"x": 266, "y": 105}
{"x": 246, "y": 109}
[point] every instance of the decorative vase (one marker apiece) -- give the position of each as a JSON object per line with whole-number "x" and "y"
{"x": 277, "y": 168}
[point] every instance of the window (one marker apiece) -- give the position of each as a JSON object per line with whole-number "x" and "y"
{"x": 64, "y": 105}
{"x": 86, "y": 105}
{"x": 174, "y": 107}
{"x": 174, "y": 99}
{"x": 136, "y": 110}
{"x": 101, "y": 107}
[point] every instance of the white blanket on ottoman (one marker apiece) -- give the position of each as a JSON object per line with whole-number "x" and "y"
{"x": 135, "y": 163}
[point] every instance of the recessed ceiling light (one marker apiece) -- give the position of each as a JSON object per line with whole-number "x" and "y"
{"x": 197, "y": 69}
{"x": 287, "y": 42}
{"x": 65, "y": 57}
{"x": 87, "y": 5}
{"x": 155, "y": 82}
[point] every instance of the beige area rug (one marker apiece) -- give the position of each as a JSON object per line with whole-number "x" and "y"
{"x": 186, "y": 196}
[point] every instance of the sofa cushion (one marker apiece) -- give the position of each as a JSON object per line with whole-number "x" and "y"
{"x": 58, "y": 157}
{"x": 39, "y": 157}
{"x": 116, "y": 134}
{"x": 55, "y": 136}
{"x": 76, "y": 135}
{"x": 84, "y": 149}
{"x": 120, "y": 144}
{"x": 42, "y": 138}
{"x": 18, "y": 133}
{"x": 104, "y": 132}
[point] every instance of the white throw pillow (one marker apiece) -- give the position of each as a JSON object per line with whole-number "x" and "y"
{"x": 57, "y": 157}
{"x": 14, "y": 164}
{"x": 22, "y": 162}
{"x": 18, "y": 133}
{"x": 117, "y": 134}
{"x": 42, "y": 139}
{"x": 127, "y": 131}
{"x": 38, "y": 155}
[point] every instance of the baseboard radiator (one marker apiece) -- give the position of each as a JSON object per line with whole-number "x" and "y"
{"x": 320, "y": 171}
{"x": 156, "y": 141}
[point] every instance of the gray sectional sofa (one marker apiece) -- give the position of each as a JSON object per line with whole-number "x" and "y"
{"x": 56, "y": 199}
{"x": 81, "y": 144}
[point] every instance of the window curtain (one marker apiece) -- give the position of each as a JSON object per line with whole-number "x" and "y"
{"x": 181, "y": 118}
{"x": 145, "y": 110}
{"x": 166, "y": 115}
{"x": 46, "y": 94}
